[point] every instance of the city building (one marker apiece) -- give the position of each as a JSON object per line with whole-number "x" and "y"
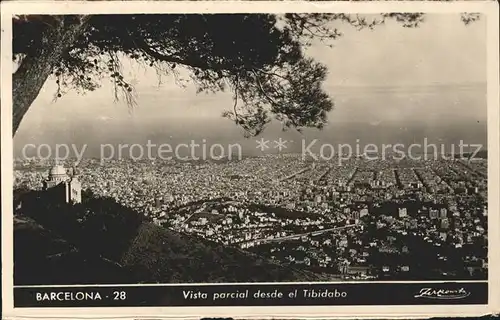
{"x": 63, "y": 187}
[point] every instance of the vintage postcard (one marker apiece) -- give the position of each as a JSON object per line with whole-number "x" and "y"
{"x": 233, "y": 159}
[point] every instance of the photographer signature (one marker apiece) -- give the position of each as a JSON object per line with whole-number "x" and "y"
{"x": 442, "y": 294}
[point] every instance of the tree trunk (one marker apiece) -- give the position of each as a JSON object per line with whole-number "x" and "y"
{"x": 36, "y": 66}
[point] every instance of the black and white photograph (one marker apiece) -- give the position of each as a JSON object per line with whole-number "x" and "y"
{"x": 249, "y": 159}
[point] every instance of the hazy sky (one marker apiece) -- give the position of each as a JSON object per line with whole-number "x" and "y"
{"x": 430, "y": 79}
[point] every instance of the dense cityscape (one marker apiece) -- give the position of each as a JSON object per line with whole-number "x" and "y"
{"x": 365, "y": 219}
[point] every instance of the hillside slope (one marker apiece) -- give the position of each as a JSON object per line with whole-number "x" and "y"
{"x": 100, "y": 241}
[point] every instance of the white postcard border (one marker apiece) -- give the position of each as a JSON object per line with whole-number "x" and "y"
{"x": 489, "y": 8}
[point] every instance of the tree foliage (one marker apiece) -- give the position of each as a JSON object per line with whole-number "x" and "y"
{"x": 258, "y": 57}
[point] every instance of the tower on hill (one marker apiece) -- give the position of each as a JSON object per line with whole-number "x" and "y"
{"x": 63, "y": 187}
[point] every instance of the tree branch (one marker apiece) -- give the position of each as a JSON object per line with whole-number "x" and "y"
{"x": 38, "y": 64}
{"x": 144, "y": 46}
